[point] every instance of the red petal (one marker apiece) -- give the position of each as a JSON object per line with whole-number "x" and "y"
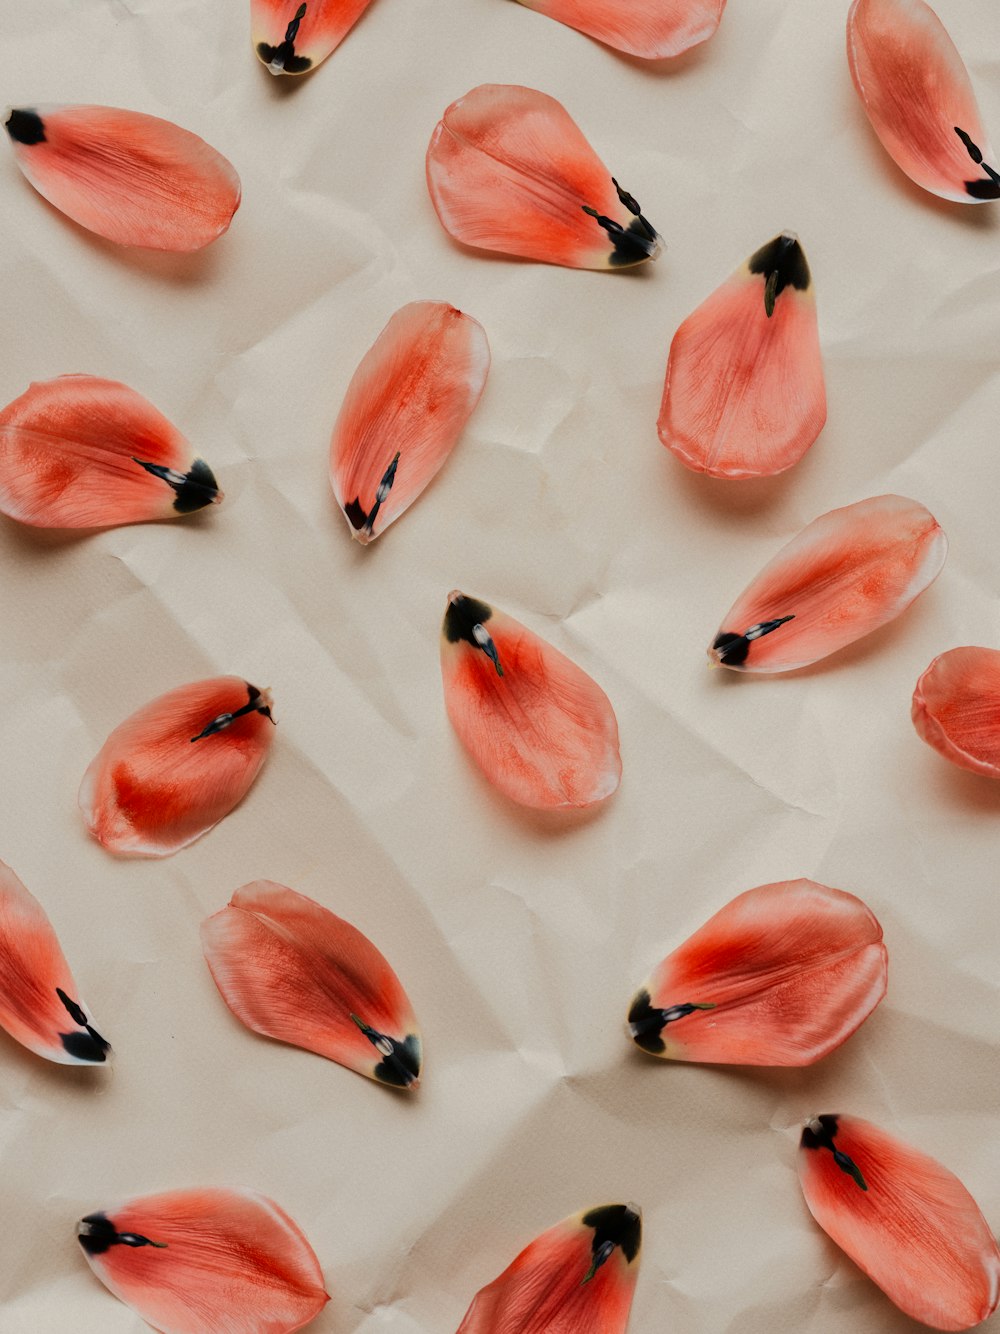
{"x": 956, "y": 708}
{"x": 846, "y": 574}
{"x": 290, "y": 969}
{"x": 553, "y": 1286}
{"x": 292, "y": 37}
{"x": 650, "y": 29}
{"x": 206, "y": 1262}
{"x": 539, "y": 728}
{"x": 39, "y": 1003}
{"x": 913, "y": 1228}
{"x": 782, "y": 975}
{"x": 744, "y": 394}
{"x": 159, "y": 782}
{"x": 916, "y": 92}
{"x": 135, "y": 179}
{"x": 509, "y": 171}
{"x": 68, "y": 458}
{"x": 405, "y": 409}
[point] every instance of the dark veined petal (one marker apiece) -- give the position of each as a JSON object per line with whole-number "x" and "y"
{"x": 956, "y": 708}
{"x": 294, "y": 36}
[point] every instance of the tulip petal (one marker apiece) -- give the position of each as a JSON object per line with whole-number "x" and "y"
{"x": 134, "y": 179}
{"x": 509, "y": 171}
{"x": 904, "y": 1219}
{"x": 405, "y": 409}
{"x": 82, "y": 452}
{"x": 744, "y": 394}
{"x": 919, "y": 98}
{"x": 539, "y": 727}
{"x": 294, "y": 36}
{"x": 39, "y": 1002}
{"x": 171, "y": 771}
{"x": 956, "y": 708}
{"x": 649, "y": 29}
{"x": 782, "y": 975}
{"x": 846, "y": 574}
{"x": 576, "y": 1278}
{"x": 206, "y": 1261}
{"x": 290, "y": 969}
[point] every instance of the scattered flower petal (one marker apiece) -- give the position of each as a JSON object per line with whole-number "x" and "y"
{"x": 956, "y": 708}
{"x": 649, "y": 29}
{"x": 294, "y": 36}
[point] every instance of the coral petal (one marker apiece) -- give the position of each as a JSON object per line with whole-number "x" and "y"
{"x": 171, "y": 771}
{"x": 290, "y": 969}
{"x": 206, "y": 1261}
{"x": 846, "y": 574}
{"x": 744, "y": 394}
{"x": 405, "y": 409}
{"x": 135, "y": 179}
{"x": 39, "y": 1002}
{"x": 508, "y": 170}
{"x": 904, "y": 1219}
{"x": 649, "y": 29}
{"x": 956, "y": 708}
{"x": 917, "y": 94}
{"x": 782, "y": 975}
{"x": 294, "y": 36}
{"x": 539, "y": 727}
{"x": 81, "y": 452}
{"x": 576, "y": 1278}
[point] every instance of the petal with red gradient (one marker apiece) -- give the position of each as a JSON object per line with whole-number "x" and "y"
{"x": 782, "y": 975}
{"x": 539, "y": 728}
{"x": 649, "y": 29}
{"x": 134, "y": 179}
{"x": 744, "y": 394}
{"x": 847, "y": 573}
{"x": 39, "y": 1003}
{"x": 294, "y": 36}
{"x": 404, "y": 411}
{"x": 576, "y": 1278}
{"x": 171, "y": 771}
{"x": 904, "y": 1219}
{"x": 289, "y": 968}
{"x": 206, "y": 1261}
{"x": 509, "y": 171}
{"x": 82, "y": 452}
{"x": 956, "y": 708}
{"x": 919, "y": 99}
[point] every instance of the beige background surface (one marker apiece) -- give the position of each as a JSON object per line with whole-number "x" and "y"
{"x": 519, "y": 939}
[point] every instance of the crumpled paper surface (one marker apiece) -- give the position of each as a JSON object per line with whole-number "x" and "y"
{"x": 519, "y": 938}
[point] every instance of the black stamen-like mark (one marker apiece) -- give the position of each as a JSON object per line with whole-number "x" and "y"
{"x": 357, "y": 518}
{"x": 733, "y": 649}
{"x": 820, "y": 1134}
{"x": 97, "y": 1233}
{"x": 74, "y": 1010}
{"x": 646, "y": 1023}
{"x": 26, "y": 127}
{"x": 783, "y": 264}
{"x": 400, "y": 1065}
{"x": 85, "y": 1046}
{"x": 980, "y": 189}
{"x": 224, "y": 719}
{"x": 466, "y": 619}
{"x": 195, "y": 489}
{"x": 283, "y": 56}
{"x": 615, "y": 1225}
{"x": 633, "y": 243}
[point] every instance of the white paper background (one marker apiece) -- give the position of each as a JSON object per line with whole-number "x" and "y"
{"x": 520, "y": 939}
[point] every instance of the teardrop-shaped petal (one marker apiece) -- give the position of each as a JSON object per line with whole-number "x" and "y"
{"x": 508, "y": 170}
{"x": 290, "y": 969}
{"x": 405, "y": 409}
{"x": 171, "y": 771}
{"x": 206, "y": 1261}
{"x": 576, "y": 1278}
{"x": 294, "y": 36}
{"x": 39, "y": 1002}
{"x": 956, "y": 708}
{"x": 782, "y": 975}
{"x": 135, "y": 179}
{"x": 919, "y": 98}
{"x": 649, "y": 29}
{"x": 82, "y": 452}
{"x": 904, "y": 1219}
{"x": 539, "y": 727}
{"x": 846, "y": 574}
{"x": 744, "y": 394}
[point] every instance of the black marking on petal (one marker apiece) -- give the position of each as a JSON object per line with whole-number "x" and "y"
{"x": 782, "y": 263}
{"x": 26, "y": 127}
{"x": 615, "y": 1226}
{"x": 195, "y": 489}
{"x": 988, "y": 189}
{"x": 87, "y": 1046}
{"x": 224, "y": 719}
{"x": 96, "y": 1234}
{"x": 283, "y": 56}
{"x": 70, "y": 1006}
{"x": 733, "y": 649}
{"x": 820, "y": 1133}
{"x": 462, "y": 617}
{"x": 400, "y": 1064}
{"x": 356, "y": 516}
{"x": 632, "y": 244}
{"x": 646, "y": 1023}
